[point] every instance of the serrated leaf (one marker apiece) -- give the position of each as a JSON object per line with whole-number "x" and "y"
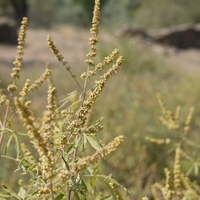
{"x": 93, "y": 143}
{"x": 13, "y": 194}
{"x": 59, "y": 197}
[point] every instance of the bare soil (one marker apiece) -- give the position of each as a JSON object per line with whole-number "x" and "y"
{"x": 73, "y": 45}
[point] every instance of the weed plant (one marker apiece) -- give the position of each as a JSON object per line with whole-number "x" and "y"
{"x": 56, "y": 164}
{"x": 58, "y": 149}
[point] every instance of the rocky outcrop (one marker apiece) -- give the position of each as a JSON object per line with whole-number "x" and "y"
{"x": 8, "y": 31}
{"x": 181, "y": 36}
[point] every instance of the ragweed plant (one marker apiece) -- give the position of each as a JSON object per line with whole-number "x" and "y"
{"x": 60, "y": 167}
{"x": 182, "y": 181}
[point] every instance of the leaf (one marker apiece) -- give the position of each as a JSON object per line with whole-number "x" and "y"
{"x": 66, "y": 164}
{"x": 112, "y": 180}
{"x": 22, "y": 192}
{"x": 193, "y": 144}
{"x": 16, "y": 144}
{"x": 60, "y": 196}
{"x": 93, "y": 182}
{"x": 107, "y": 198}
{"x": 4, "y": 195}
{"x": 77, "y": 142}
{"x": 106, "y": 182}
{"x": 8, "y": 144}
{"x": 98, "y": 121}
{"x": 83, "y": 185}
{"x": 13, "y": 194}
{"x": 70, "y": 98}
{"x": 84, "y": 142}
{"x": 70, "y": 149}
{"x": 196, "y": 169}
{"x": 93, "y": 143}
{"x": 76, "y": 196}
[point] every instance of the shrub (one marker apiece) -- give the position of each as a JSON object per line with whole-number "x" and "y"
{"x": 58, "y": 164}
{"x": 158, "y": 14}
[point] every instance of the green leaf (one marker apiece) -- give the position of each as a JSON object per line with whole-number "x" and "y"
{"x": 108, "y": 198}
{"x": 76, "y": 196}
{"x": 77, "y": 140}
{"x": 13, "y": 194}
{"x": 93, "y": 182}
{"x": 106, "y": 182}
{"x": 112, "y": 180}
{"x": 83, "y": 185}
{"x": 8, "y": 144}
{"x": 66, "y": 164}
{"x": 60, "y": 196}
{"x": 70, "y": 149}
{"x": 93, "y": 143}
{"x": 16, "y": 144}
{"x": 84, "y": 142}
{"x": 4, "y": 195}
{"x": 196, "y": 169}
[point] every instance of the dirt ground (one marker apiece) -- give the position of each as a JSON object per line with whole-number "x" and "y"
{"x": 73, "y": 45}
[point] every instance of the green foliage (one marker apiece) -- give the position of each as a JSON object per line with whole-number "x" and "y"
{"x": 150, "y": 155}
{"x": 4, "y": 8}
{"x": 59, "y": 164}
{"x": 60, "y": 11}
{"x": 161, "y": 13}
{"x": 88, "y": 9}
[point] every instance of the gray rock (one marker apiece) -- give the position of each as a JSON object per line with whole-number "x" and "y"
{"x": 8, "y": 31}
{"x": 180, "y": 36}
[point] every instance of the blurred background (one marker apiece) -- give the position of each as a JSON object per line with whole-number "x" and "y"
{"x": 159, "y": 41}
{"x": 143, "y": 13}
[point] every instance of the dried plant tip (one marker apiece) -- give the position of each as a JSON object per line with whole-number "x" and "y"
{"x": 168, "y": 119}
{"x": 109, "y": 59}
{"x": 25, "y": 89}
{"x": 3, "y": 99}
{"x": 89, "y": 160}
{"x": 42, "y": 146}
{"x": 12, "y": 88}
{"x": 55, "y": 51}
{"x": 60, "y": 59}
{"x": 177, "y": 170}
{"x": 20, "y": 52}
{"x": 158, "y": 141}
{"x": 41, "y": 80}
{"x": 188, "y": 120}
{"x": 96, "y": 18}
{"x": 27, "y": 153}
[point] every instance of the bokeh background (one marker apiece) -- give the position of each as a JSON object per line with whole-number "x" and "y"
{"x": 128, "y": 102}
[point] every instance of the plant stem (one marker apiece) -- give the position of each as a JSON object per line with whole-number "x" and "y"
{"x": 85, "y": 87}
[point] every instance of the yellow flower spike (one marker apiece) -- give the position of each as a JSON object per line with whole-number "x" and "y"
{"x": 105, "y": 151}
{"x": 188, "y": 120}
{"x": 20, "y": 48}
{"x": 177, "y": 170}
